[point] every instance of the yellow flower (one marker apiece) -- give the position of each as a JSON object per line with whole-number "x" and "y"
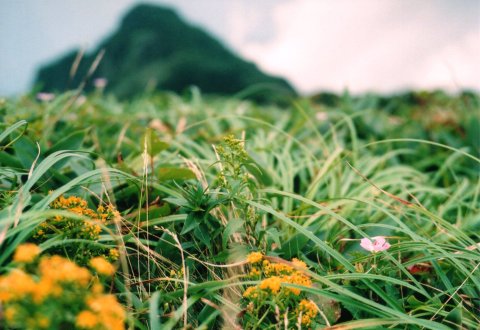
{"x": 297, "y": 278}
{"x": 102, "y": 266}
{"x": 21, "y": 295}
{"x": 9, "y": 314}
{"x": 272, "y": 283}
{"x": 113, "y": 254}
{"x": 299, "y": 264}
{"x": 278, "y": 269}
{"x": 254, "y": 272}
{"x": 97, "y": 288}
{"x": 308, "y": 309}
{"x": 86, "y": 320}
{"x": 26, "y": 253}
{"x": 92, "y": 229}
{"x": 254, "y": 257}
{"x": 59, "y": 269}
{"x": 16, "y": 285}
{"x": 43, "y": 322}
{"x": 109, "y": 312}
{"x": 89, "y": 229}
{"x": 251, "y": 292}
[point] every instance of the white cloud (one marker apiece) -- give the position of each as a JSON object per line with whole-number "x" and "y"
{"x": 316, "y": 44}
{"x": 368, "y": 45}
{"x": 456, "y": 65}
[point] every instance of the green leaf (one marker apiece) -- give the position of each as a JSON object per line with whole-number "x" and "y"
{"x": 26, "y": 151}
{"x": 155, "y": 212}
{"x": 258, "y": 172}
{"x": 166, "y": 246}
{"x": 11, "y": 129}
{"x": 190, "y": 223}
{"x": 154, "y": 313}
{"x": 473, "y": 136}
{"x": 201, "y": 232}
{"x": 179, "y": 201}
{"x": 456, "y": 315}
{"x": 414, "y": 302}
{"x": 8, "y": 160}
{"x": 294, "y": 246}
{"x": 330, "y": 307}
{"x": 153, "y": 143}
{"x": 207, "y": 315}
{"x": 127, "y": 193}
{"x": 274, "y": 235}
{"x": 70, "y": 142}
{"x": 174, "y": 173}
{"x": 232, "y": 227}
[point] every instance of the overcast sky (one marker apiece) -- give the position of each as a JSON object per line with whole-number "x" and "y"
{"x": 362, "y": 45}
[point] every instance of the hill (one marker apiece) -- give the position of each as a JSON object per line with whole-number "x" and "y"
{"x": 154, "y": 49}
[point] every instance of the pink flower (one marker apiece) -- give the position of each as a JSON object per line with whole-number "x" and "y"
{"x": 45, "y": 97}
{"x": 100, "y": 83}
{"x": 321, "y": 116}
{"x": 379, "y": 244}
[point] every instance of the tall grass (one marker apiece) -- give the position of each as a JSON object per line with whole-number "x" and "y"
{"x": 310, "y": 187}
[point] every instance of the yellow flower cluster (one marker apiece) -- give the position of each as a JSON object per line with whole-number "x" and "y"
{"x": 276, "y": 276}
{"x": 254, "y": 257}
{"x": 26, "y": 253}
{"x": 58, "y": 269}
{"x": 308, "y": 311}
{"x": 89, "y": 229}
{"x": 102, "y": 266}
{"x": 57, "y": 281}
{"x": 254, "y": 271}
{"x": 113, "y": 254}
{"x": 53, "y": 273}
{"x": 86, "y": 320}
{"x": 278, "y": 273}
{"x": 251, "y": 292}
{"x": 103, "y": 312}
{"x": 273, "y": 284}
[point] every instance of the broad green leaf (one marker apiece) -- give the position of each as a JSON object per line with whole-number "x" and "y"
{"x": 174, "y": 173}
{"x": 155, "y": 311}
{"x": 274, "y": 235}
{"x": 153, "y": 144}
{"x": 201, "y": 232}
{"x": 154, "y": 212}
{"x": 70, "y": 142}
{"x": 10, "y": 130}
{"x": 294, "y": 246}
{"x": 233, "y": 226}
{"x": 190, "y": 223}
{"x": 26, "y": 151}
{"x": 8, "y": 160}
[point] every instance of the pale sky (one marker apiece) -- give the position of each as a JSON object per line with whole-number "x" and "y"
{"x": 362, "y": 45}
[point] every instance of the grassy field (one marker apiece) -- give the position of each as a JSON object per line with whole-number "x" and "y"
{"x": 192, "y": 212}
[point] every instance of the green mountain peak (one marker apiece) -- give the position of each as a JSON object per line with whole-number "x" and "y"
{"x": 154, "y": 49}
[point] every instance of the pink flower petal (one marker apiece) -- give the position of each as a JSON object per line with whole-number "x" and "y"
{"x": 45, "y": 97}
{"x": 379, "y": 244}
{"x": 100, "y": 82}
{"x": 366, "y": 244}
